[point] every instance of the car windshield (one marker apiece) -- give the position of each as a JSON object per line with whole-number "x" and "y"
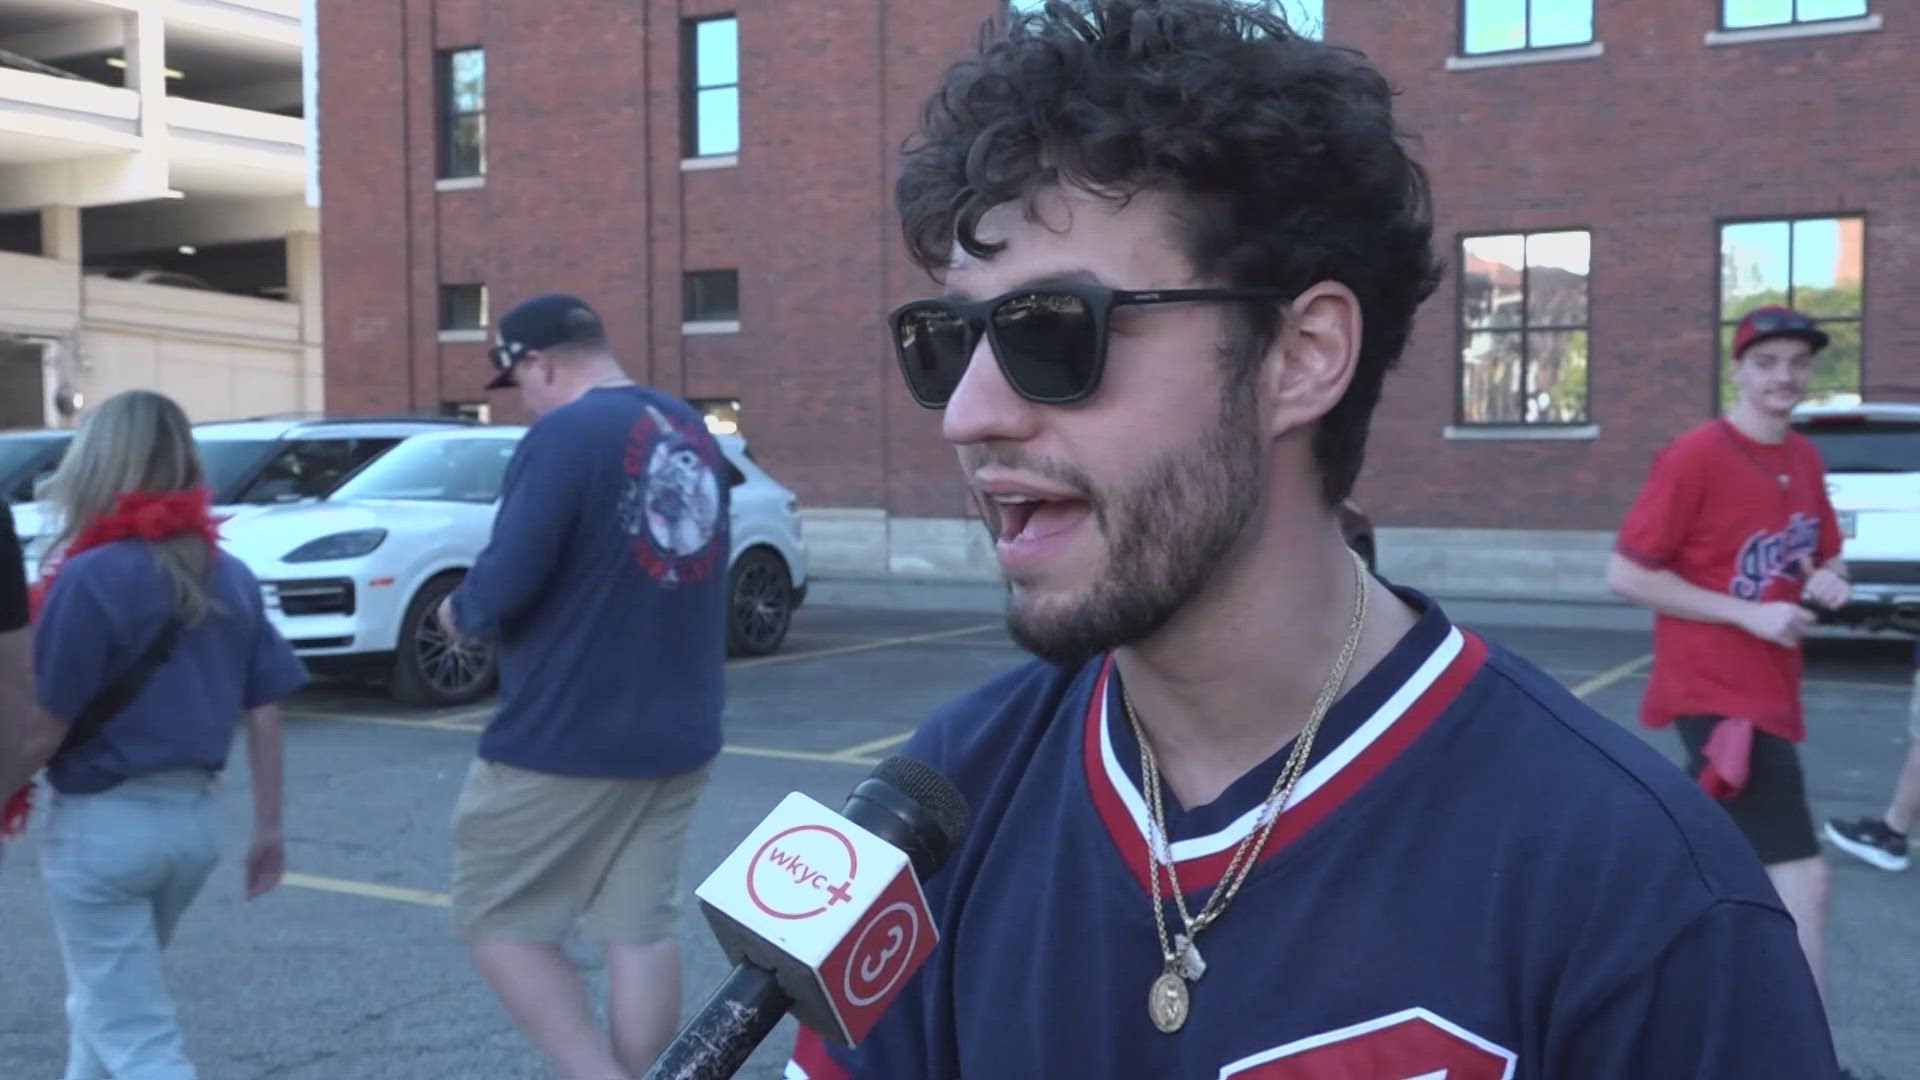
{"x": 230, "y": 463}
{"x": 21, "y": 465}
{"x": 1866, "y": 446}
{"x": 434, "y": 470}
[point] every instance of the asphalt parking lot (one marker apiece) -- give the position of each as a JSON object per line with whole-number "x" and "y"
{"x": 350, "y": 971}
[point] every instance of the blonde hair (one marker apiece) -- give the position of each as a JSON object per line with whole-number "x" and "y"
{"x": 135, "y": 441}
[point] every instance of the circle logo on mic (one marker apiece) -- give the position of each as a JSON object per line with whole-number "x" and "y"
{"x": 802, "y": 872}
{"x": 881, "y": 954}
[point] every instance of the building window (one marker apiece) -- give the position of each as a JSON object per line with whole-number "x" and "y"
{"x": 712, "y": 64}
{"x": 1747, "y": 14}
{"x": 1523, "y": 328}
{"x": 1497, "y": 26}
{"x": 463, "y": 113}
{"x": 463, "y": 307}
{"x": 712, "y": 296}
{"x": 1816, "y": 266}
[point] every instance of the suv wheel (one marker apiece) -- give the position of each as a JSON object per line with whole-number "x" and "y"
{"x": 433, "y": 668}
{"x": 759, "y": 603}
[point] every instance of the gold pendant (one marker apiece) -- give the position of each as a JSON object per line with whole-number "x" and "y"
{"x": 1167, "y": 1002}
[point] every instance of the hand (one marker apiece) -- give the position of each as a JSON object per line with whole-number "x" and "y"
{"x": 266, "y": 865}
{"x": 1828, "y": 589}
{"x": 1781, "y": 622}
{"x": 445, "y": 613}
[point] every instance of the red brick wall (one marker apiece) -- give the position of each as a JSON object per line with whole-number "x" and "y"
{"x": 1647, "y": 146}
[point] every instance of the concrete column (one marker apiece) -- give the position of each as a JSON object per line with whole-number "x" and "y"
{"x": 303, "y": 288}
{"x": 60, "y": 233}
{"x": 147, "y": 70}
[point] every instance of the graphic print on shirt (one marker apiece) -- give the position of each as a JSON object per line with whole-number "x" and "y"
{"x": 671, "y": 503}
{"x": 1414, "y": 1043}
{"x": 1767, "y": 555}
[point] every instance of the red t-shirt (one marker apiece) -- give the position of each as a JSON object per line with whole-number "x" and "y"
{"x": 1727, "y": 513}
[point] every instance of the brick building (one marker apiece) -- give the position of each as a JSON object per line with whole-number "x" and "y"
{"x": 1616, "y": 180}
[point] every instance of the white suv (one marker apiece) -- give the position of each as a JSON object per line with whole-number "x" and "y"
{"x": 354, "y": 580}
{"x": 1872, "y": 456}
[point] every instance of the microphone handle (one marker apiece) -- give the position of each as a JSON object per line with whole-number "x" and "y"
{"x": 727, "y": 1029}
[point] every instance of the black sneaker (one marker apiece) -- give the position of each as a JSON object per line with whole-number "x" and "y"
{"x": 1870, "y": 839}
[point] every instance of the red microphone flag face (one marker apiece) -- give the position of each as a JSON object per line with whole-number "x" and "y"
{"x": 835, "y": 911}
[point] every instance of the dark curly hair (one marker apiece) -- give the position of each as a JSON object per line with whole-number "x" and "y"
{"x": 1284, "y": 149}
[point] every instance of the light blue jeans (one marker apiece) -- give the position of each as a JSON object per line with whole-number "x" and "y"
{"x": 120, "y": 869}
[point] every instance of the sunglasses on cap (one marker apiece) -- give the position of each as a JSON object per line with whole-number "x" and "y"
{"x": 1050, "y": 340}
{"x": 1779, "y": 322}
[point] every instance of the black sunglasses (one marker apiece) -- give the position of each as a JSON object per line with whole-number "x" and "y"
{"x": 1050, "y": 341}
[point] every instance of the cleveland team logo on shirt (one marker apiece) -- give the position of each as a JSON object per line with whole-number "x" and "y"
{"x": 671, "y": 504}
{"x": 1767, "y": 555}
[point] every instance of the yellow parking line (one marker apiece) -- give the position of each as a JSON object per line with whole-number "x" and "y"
{"x": 866, "y": 749}
{"x": 865, "y": 646}
{"x": 797, "y": 755}
{"x": 1612, "y": 675}
{"x": 367, "y": 889}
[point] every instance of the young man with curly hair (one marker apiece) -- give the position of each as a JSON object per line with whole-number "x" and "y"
{"x": 1252, "y": 812}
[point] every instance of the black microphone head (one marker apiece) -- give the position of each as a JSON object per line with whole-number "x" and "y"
{"x": 909, "y": 805}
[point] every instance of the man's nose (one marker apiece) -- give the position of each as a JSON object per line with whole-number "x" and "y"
{"x": 985, "y": 407}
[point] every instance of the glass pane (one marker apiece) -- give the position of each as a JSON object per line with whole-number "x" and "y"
{"x": 1495, "y": 25}
{"x": 1557, "y": 377}
{"x": 1490, "y": 378}
{"x": 1827, "y": 266}
{"x": 1561, "y": 22}
{"x": 229, "y": 463}
{"x": 1307, "y": 17}
{"x": 1836, "y": 368}
{"x": 1491, "y": 268}
{"x": 719, "y": 122}
{"x": 1812, "y": 10}
{"x": 712, "y": 295}
{"x": 1741, "y": 13}
{"x": 1557, "y": 269}
{"x": 716, "y": 52}
{"x": 466, "y": 140}
{"x": 467, "y": 81}
{"x": 1753, "y": 266}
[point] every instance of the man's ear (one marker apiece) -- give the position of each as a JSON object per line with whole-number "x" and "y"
{"x": 1311, "y": 361}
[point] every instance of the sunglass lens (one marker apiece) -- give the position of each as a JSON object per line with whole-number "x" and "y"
{"x": 1048, "y": 343}
{"x": 934, "y": 347}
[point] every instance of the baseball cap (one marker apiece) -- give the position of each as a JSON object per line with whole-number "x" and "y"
{"x": 1775, "y": 321}
{"x": 540, "y": 323}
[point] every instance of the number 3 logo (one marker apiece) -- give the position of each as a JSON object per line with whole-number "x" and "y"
{"x": 875, "y": 964}
{"x": 1410, "y": 1045}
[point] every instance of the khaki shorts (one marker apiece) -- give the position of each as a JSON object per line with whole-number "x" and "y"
{"x": 1913, "y": 708}
{"x": 534, "y": 852}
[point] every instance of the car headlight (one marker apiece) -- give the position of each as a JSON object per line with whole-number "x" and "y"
{"x": 346, "y": 545}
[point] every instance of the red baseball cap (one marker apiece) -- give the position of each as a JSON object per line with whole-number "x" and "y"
{"x": 1775, "y": 321}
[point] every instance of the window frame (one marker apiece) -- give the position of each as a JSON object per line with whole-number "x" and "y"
{"x": 687, "y": 289}
{"x": 486, "y": 314}
{"x": 1721, "y": 357}
{"x": 445, "y": 115}
{"x": 691, "y": 87}
{"x": 1720, "y": 22}
{"x": 1460, "y": 38}
{"x": 1461, "y": 332}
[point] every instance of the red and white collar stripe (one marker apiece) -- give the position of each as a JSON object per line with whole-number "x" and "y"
{"x": 1203, "y": 860}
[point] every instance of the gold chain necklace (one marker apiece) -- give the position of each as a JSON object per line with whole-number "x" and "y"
{"x": 1167, "y": 1000}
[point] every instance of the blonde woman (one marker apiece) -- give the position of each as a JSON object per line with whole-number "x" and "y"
{"x": 140, "y": 587}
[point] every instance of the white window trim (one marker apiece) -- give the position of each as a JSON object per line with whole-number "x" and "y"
{"x": 460, "y": 183}
{"x": 727, "y": 326}
{"x": 473, "y": 334}
{"x": 1555, "y": 55}
{"x": 712, "y": 161}
{"x": 1542, "y": 432}
{"x": 1866, "y": 24}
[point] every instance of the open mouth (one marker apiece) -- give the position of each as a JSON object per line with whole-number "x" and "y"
{"x": 1028, "y": 518}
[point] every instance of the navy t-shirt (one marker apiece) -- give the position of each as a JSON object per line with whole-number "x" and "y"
{"x": 1478, "y": 876}
{"x": 106, "y": 606}
{"x": 604, "y": 584}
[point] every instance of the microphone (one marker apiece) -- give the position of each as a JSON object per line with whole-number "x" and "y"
{"x": 822, "y": 915}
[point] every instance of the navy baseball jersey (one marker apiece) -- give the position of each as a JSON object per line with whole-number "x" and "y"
{"x": 1478, "y": 877}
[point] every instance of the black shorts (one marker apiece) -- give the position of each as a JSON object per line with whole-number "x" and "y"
{"x": 1772, "y": 808}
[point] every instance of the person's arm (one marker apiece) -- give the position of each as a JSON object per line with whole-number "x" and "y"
{"x": 537, "y": 509}
{"x": 1731, "y": 998}
{"x": 266, "y": 765}
{"x": 1830, "y": 585}
{"x": 73, "y": 657}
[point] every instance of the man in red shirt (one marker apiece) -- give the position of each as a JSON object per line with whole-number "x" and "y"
{"x": 1730, "y": 540}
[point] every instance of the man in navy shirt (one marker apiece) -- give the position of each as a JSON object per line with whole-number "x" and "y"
{"x": 604, "y": 588}
{"x": 1252, "y": 812}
